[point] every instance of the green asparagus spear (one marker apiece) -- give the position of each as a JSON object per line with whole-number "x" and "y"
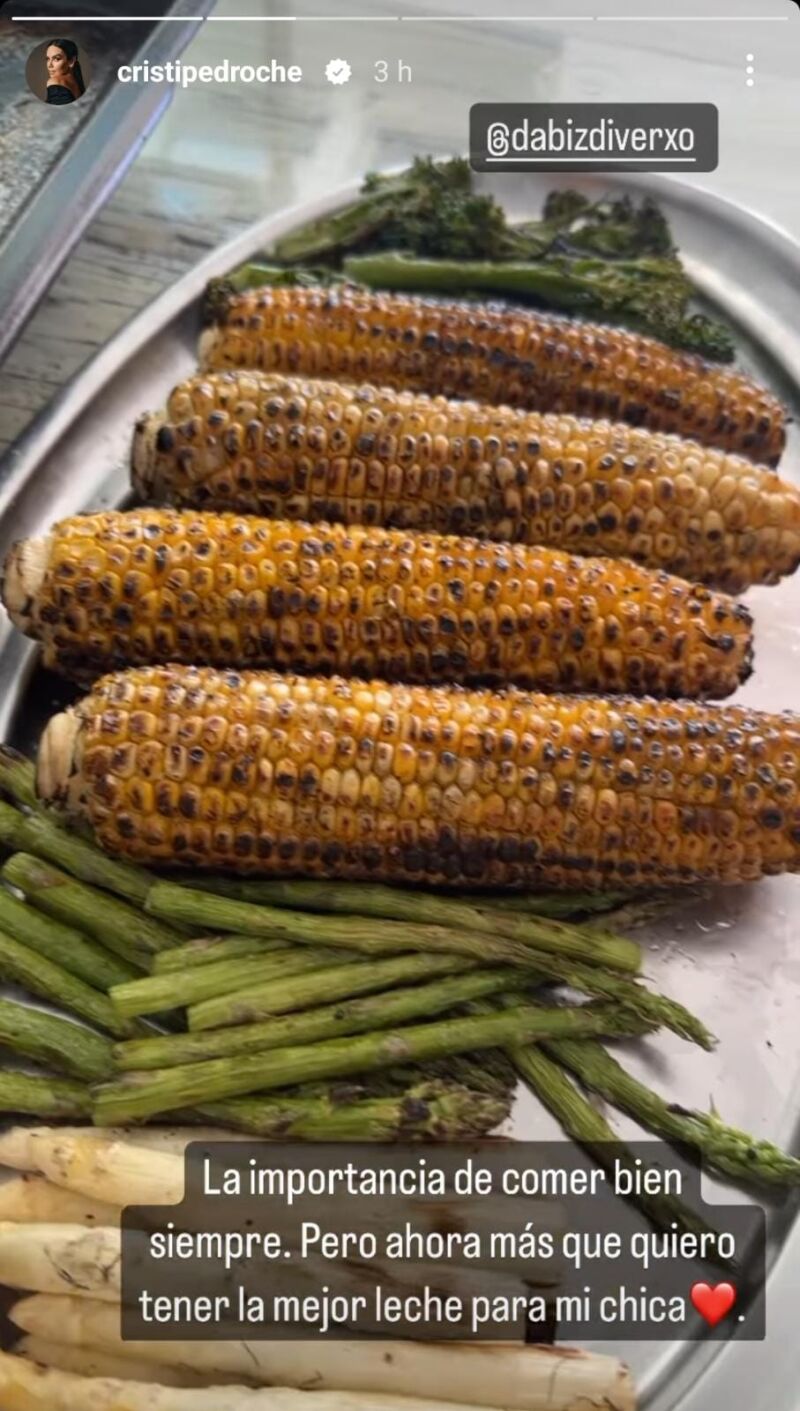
{"x": 430, "y": 1111}
{"x": 648, "y": 293}
{"x": 723, "y": 1148}
{"x": 562, "y": 906}
{"x": 45, "y": 836}
{"x": 489, "y": 1071}
{"x": 659, "y": 1009}
{"x": 576, "y": 283}
{"x": 480, "y": 939}
{"x": 43, "y": 1096}
{"x": 120, "y": 927}
{"x": 586, "y": 1126}
{"x": 392, "y": 937}
{"x": 640, "y": 911}
{"x": 331, "y": 1021}
{"x": 156, "y": 993}
{"x": 64, "y": 945}
{"x": 209, "y": 950}
{"x": 139, "y": 1095}
{"x": 18, "y": 778}
{"x": 55, "y": 1042}
{"x": 52, "y": 982}
{"x": 426, "y": 908}
{"x": 299, "y": 992}
{"x": 401, "y": 904}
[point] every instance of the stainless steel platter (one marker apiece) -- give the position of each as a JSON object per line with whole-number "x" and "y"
{"x": 735, "y": 958}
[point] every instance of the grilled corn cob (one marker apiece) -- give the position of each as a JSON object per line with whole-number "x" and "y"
{"x": 262, "y": 773}
{"x": 115, "y": 589}
{"x": 496, "y": 354}
{"x": 294, "y": 449}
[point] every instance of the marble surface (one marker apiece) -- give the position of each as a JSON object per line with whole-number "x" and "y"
{"x": 224, "y": 155}
{"x": 34, "y": 136}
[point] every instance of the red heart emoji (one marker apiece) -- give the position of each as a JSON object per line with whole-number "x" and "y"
{"x": 713, "y": 1303}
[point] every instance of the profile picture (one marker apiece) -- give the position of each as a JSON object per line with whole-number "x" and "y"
{"x": 58, "y": 71}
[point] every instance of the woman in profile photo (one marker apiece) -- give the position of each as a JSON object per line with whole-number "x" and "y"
{"x": 64, "y": 78}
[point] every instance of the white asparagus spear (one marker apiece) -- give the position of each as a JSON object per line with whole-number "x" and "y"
{"x": 113, "y": 1164}
{"x": 91, "y": 1163}
{"x": 32, "y": 1200}
{"x": 15, "y": 1147}
{"x": 62, "y": 1259}
{"x": 27, "y": 1387}
{"x": 531, "y": 1378}
{"x": 170, "y": 1139}
{"x": 65, "y": 1259}
{"x": 94, "y": 1362}
{"x": 174, "y": 1140}
{"x": 129, "y": 1166}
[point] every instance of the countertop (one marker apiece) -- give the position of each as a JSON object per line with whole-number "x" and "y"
{"x": 226, "y": 154}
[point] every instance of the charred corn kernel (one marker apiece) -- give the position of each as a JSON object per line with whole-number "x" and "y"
{"x": 559, "y": 790}
{"x": 410, "y": 607}
{"x": 496, "y": 354}
{"x": 295, "y": 449}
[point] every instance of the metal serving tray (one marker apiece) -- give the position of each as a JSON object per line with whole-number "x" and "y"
{"x": 735, "y": 958}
